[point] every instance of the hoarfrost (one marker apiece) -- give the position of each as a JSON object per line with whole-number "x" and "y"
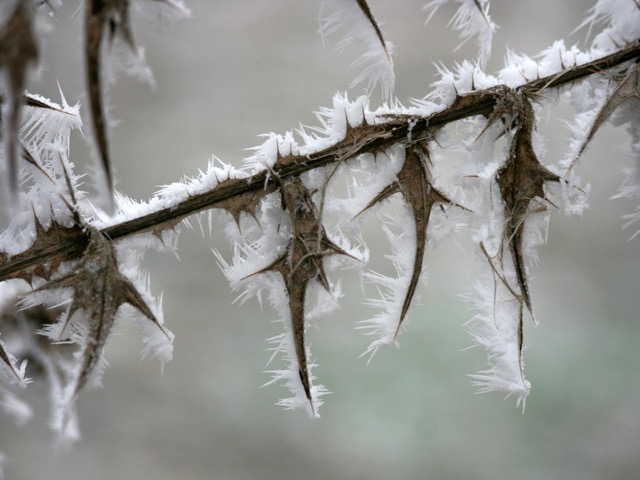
{"x": 470, "y": 20}
{"x": 375, "y": 65}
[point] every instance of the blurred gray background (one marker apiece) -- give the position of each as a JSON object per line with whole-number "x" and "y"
{"x": 235, "y": 70}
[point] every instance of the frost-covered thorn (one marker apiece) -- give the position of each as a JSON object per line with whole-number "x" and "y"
{"x": 73, "y": 205}
{"x": 346, "y": 121}
{"x": 158, "y": 234}
{"x": 307, "y": 389}
{"x": 159, "y": 230}
{"x": 278, "y": 154}
{"x": 26, "y": 155}
{"x": 364, "y": 116}
{"x": 613, "y": 40}
{"x": 524, "y": 77}
{"x": 375, "y": 64}
{"x": 18, "y": 54}
{"x": 31, "y": 101}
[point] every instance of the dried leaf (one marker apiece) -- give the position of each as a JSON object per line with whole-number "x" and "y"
{"x": 521, "y": 180}
{"x": 302, "y": 262}
{"x": 18, "y": 52}
{"x": 628, "y": 87}
{"x": 364, "y": 7}
{"x": 99, "y": 291}
{"x": 100, "y": 16}
{"x": 414, "y": 184}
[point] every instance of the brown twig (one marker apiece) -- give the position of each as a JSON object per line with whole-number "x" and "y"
{"x": 371, "y": 138}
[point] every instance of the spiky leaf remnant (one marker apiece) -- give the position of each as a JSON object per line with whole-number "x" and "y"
{"x": 364, "y": 7}
{"x": 521, "y": 181}
{"x": 18, "y": 53}
{"x": 302, "y": 262}
{"x": 414, "y": 183}
{"x": 101, "y": 17}
{"x": 99, "y": 290}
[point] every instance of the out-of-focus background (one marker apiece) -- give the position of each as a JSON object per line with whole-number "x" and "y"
{"x": 235, "y": 70}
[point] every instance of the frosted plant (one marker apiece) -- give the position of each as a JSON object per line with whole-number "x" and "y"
{"x": 354, "y": 18}
{"x": 70, "y": 271}
{"x": 470, "y": 20}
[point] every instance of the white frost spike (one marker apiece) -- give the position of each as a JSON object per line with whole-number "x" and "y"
{"x": 65, "y": 418}
{"x": 375, "y": 64}
{"x": 497, "y": 325}
{"x": 168, "y": 195}
{"x": 271, "y": 149}
{"x": 622, "y": 20}
{"x": 50, "y": 127}
{"x": 496, "y": 328}
{"x": 470, "y": 20}
{"x": 13, "y": 406}
{"x": 157, "y": 339}
{"x": 495, "y": 294}
{"x": 289, "y": 376}
{"x": 392, "y": 290}
{"x": 284, "y": 345}
{"x": 466, "y": 77}
{"x": 336, "y": 121}
{"x": 630, "y": 188}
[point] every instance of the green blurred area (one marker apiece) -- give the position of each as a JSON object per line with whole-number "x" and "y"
{"x": 239, "y": 69}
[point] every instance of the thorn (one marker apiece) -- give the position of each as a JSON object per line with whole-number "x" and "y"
{"x": 278, "y": 155}
{"x": 158, "y": 233}
{"x": 307, "y": 390}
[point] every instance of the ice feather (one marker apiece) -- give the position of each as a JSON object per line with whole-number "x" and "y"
{"x": 354, "y": 20}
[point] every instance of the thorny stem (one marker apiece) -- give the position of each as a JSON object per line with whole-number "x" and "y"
{"x": 370, "y": 138}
